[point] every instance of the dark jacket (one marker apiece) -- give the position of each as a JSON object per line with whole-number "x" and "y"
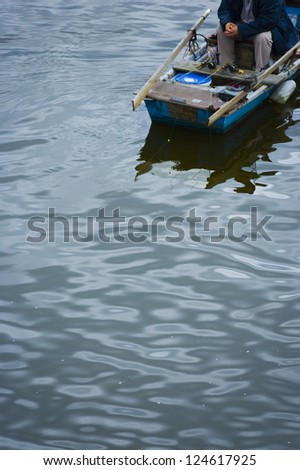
{"x": 270, "y": 15}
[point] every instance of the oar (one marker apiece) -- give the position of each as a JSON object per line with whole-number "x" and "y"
{"x": 260, "y": 78}
{"x": 155, "y": 77}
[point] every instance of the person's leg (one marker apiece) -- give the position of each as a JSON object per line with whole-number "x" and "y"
{"x": 263, "y": 46}
{"x": 225, "y": 47}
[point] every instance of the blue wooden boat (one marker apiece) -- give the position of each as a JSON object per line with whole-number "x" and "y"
{"x": 197, "y": 93}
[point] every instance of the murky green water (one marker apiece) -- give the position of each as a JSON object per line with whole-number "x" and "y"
{"x": 186, "y": 338}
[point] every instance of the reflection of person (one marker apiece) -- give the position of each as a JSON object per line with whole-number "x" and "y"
{"x": 263, "y": 21}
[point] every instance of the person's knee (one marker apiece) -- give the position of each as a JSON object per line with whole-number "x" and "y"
{"x": 264, "y": 39}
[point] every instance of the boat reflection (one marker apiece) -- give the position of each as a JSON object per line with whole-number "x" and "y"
{"x": 206, "y": 160}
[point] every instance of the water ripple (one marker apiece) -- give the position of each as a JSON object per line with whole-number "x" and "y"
{"x": 153, "y": 345}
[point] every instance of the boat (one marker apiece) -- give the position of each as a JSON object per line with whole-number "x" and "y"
{"x": 193, "y": 91}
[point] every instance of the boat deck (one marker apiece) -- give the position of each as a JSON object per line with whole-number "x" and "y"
{"x": 189, "y": 95}
{"x": 199, "y": 97}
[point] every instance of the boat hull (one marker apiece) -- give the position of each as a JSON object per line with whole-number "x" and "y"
{"x": 182, "y": 116}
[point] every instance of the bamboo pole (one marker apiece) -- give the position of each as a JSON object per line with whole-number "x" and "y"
{"x": 155, "y": 77}
{"x": 226, "y": 107}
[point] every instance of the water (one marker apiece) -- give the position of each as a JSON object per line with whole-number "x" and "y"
{"x": 150, "y": 343}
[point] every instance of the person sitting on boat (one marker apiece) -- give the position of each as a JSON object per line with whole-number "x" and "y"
{"x": 265, "y": 22}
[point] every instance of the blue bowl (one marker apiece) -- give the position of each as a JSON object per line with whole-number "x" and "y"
{"x": 193, "y": 78}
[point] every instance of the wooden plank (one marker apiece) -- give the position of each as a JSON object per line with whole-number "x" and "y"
{"x": 226, "y": 107}
{"x": 155, "y": 77}
{"x": 191, "y": 66}
{"x": 188, "y": 95}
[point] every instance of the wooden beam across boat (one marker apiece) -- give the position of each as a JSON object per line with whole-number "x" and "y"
{"x": 220, "y": 73}
{"x": 155, "y": 77}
